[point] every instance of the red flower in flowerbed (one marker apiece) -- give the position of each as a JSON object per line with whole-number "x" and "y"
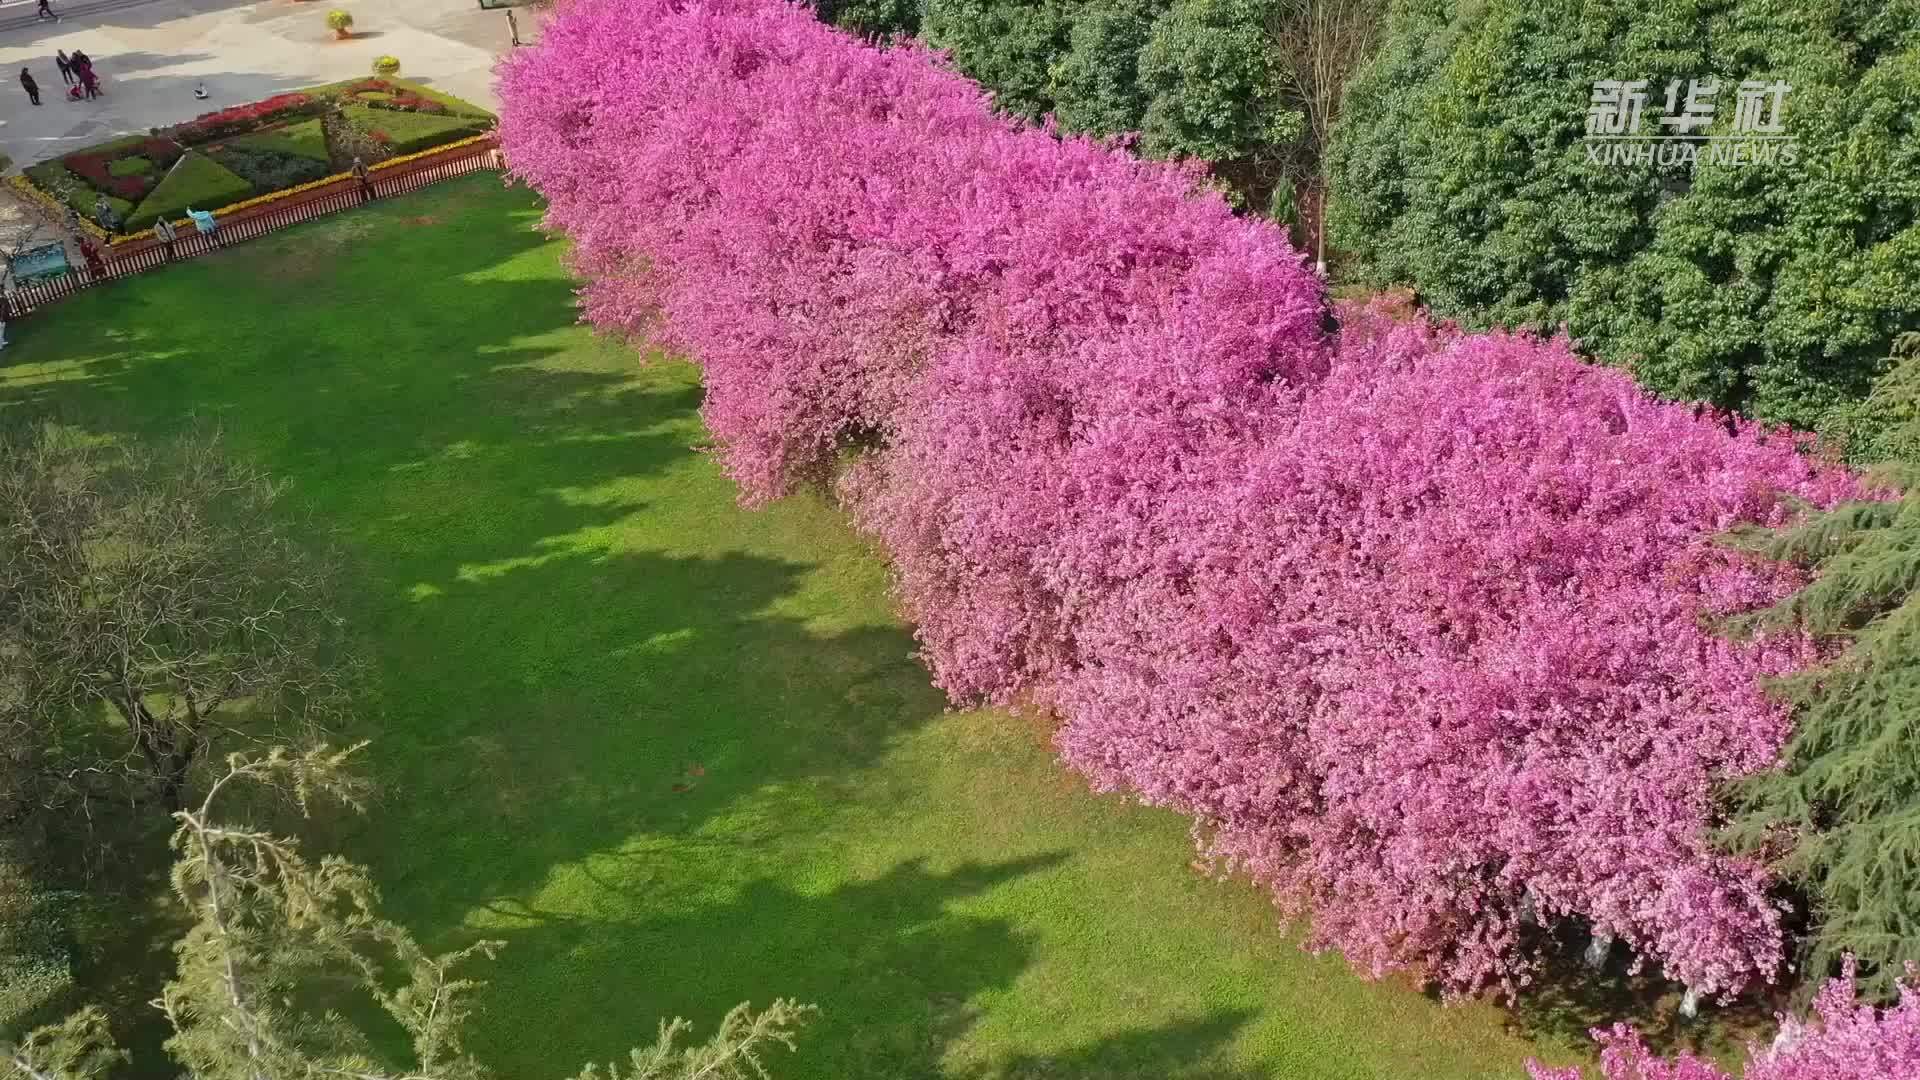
{"x": 96, "y": 167}
{"x": 395, "y": 97}
{"x": 243, "y": 118}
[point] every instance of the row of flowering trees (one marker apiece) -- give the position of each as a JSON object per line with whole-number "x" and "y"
{"x": 1417, "y": 626}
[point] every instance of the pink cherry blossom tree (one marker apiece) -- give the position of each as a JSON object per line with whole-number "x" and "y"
{"x": 1417, "y": 626}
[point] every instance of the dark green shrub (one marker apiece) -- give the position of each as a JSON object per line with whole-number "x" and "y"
{"x": 1096, "y": 84}
{"x": 872, "y": 18}
{"x": 198, "y": 182}
{"x": 269, "y": 171}
{"x": 1460, "y": 169}
{"x": 1213, "y": 87}
{"x": 1008, "y": 46}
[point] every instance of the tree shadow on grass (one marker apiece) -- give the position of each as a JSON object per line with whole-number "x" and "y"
{"x": 894, "y": 963}
{"x": 533, "y": 716}
{"x": 1178, "y": 1050}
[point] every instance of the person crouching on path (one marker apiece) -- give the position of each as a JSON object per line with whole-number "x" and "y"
{"x": 32, "y": 88}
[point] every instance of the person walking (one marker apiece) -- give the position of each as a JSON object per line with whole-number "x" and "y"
{"x": 65, "y": 65}
{"x": 45, "y": 11}
{"x": 163, "y": 231}
{"x": 32, "y": 88}
{"x": 366, "y": 181}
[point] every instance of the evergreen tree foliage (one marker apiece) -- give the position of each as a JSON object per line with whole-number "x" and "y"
{"x": 1214, "y": 87}
{"x": 1847, "y": 804}
{"x": 270, "y": 927}
{"x": 1886, "y": 426}
{"x": 1096, "y": 85}
{"x": 1460, "y": 168}
{"x": 78, "y": 1048}
{"x": 872, "y": 18}
{"x": 1008, "y": 46}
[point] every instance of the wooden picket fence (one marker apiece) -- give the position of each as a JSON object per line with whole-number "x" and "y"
{"x": 27, "y": 299}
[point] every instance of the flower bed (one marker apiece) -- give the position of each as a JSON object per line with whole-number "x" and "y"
{"x": 240, "y": 119}
{"x": 257, "y": 151}
{"x": 301, "y": 189}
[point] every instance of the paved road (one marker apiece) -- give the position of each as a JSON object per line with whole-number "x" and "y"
{"x": 21, "y": 14}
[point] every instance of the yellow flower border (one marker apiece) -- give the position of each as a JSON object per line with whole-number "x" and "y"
{"x": 27, "y": 188}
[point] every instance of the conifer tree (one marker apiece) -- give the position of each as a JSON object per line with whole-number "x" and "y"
{"x": 78, "y": 1048}
{"x": 1847, "y": 803}
{"x": 271, "y": 928}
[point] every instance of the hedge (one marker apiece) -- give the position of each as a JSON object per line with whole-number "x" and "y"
{"x": 197, "y": 182}
{"x": 410, "y": 132}
{"x": 306, "y": 138}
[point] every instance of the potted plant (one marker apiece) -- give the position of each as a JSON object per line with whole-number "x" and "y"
{"x": 341, "y": 22}
{"x": 386, "y": 66}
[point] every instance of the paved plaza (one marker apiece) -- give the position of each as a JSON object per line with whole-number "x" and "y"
{"x": 150, "y": 54}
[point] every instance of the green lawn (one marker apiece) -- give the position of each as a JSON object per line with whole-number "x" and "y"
{"x": 674, "y": 753}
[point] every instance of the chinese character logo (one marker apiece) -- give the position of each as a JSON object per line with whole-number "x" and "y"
{"x": 1615, "y": 107}
{"x": 1760, "y": 108}
{"x": 1686, "y": 135}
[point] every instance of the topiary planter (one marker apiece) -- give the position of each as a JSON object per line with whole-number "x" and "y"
{"x": 341, "y": 23}
{"x": 386, "y": 66}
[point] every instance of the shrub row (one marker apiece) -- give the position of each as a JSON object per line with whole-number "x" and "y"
{"x": 1415, "y": 624}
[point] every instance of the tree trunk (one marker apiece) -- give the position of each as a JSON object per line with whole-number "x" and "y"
{"x": 167, "y": 753}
